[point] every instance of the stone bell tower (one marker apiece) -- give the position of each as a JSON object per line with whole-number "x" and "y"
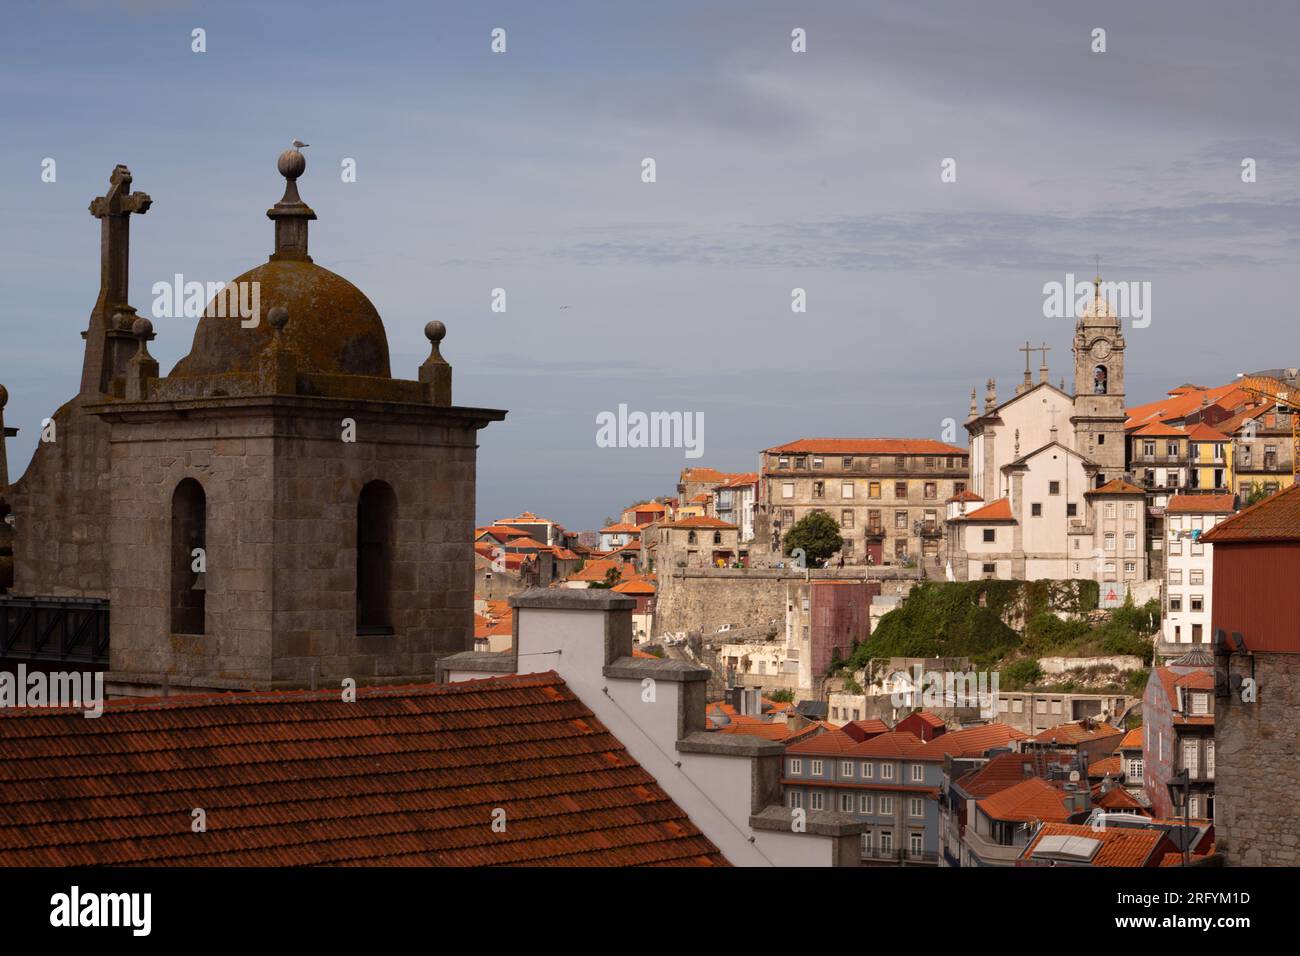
{"x": 1099, "y": 415}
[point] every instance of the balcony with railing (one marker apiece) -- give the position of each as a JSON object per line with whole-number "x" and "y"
{"x": 989, "y": 851}
{"x": 899, "y": 856}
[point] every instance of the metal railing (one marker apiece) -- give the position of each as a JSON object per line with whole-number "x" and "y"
{"x": 54, "y": 629}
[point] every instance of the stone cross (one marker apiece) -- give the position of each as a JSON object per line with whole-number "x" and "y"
{"x": 1028, "y": 350}
{"x": 113, "y": 210}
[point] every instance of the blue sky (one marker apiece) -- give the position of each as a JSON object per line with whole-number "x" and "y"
{"x": 775, "y": 170}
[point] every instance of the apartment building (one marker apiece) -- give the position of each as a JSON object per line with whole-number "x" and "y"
{"x": 1189, "y": 569}
{"x": 887, "y": 495}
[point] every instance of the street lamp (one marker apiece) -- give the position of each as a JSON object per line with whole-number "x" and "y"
{"x": 1180, "y": 796}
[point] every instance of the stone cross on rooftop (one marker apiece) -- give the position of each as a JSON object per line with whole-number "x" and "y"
{"x": 113, "y": 210}
{"x": 109, "y": 344}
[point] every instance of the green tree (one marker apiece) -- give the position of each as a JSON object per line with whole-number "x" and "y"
{"x": 611, "y": 578}
{"x": 1022, "y": 673}
{"x": 818, "y": 535}
{"x": 1256, "y": 494}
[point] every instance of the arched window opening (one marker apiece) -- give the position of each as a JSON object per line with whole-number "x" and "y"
{"x": 1099, "y": 380}
{"x": 189, "y": 557}
{"x": 376, "y": 514}
{"x": 690, "y": 537}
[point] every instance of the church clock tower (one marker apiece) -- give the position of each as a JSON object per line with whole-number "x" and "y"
{"x": 1099, "y": 387}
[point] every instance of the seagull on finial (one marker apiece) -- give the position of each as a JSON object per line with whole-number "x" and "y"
{"x": 299, "y": 144}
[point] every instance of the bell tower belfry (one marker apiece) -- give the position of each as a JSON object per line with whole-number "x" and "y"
{"x": 1099, "y": 415}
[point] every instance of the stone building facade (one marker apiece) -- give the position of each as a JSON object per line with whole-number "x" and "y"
{"x": 886, "y": 494}
{"x": 275, "y": 510}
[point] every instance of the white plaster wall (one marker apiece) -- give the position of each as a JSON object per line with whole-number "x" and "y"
{"x": 572, "y": 644}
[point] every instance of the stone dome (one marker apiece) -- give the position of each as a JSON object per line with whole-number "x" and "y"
{"x": 332, "y": 326}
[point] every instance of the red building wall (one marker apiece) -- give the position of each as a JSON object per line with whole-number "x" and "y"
{"x": 1257, "y": 593}
{"x": 839, "y": 619}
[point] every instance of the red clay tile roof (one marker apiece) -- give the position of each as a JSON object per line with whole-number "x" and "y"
{"x": 711, "y": 475}
{"x": 495, "y": 623}
{"x": 1077, "y": 732}
{"x": 699, "y": 521}
{"x": 1032, "y": 799}
{"x": 1116, "y": 486}
{"x": 829, "y": 744}
{"x": 622, "y": 528}
{"x": 635, "y": 586}
{"x": 1200, "y": 504}
{"x": 969, "y": 742}
{"x": 1203, "y": 432}
{"x": 1178, "y": 406}
{"x": 774, "y": 730}
{"x": 1007, "y": 770}
{"x": 1132, "y": 740}
{"x": 965, "y": 496}
{"x": 1171, "y": 680}
{"x": 896, "y": 743}
{"x": 925, "y": 717}
{"x": 647, "y": 506}
{"x": 862, "y": 729}
{"x": 1120, "y": 846}
{"x": 1276, "y": 518}
{"x": 595, "y": 570}
{"x": 740, "y": 481}
{"x": 500, "y": 532}
{"x": 1160, "y": 430}
{"x": 1117, "y": 798}
{"x": 868, "y": 446}
{"x": 997, "y": 510}
{"x": 402, "y": 776}
{"x": 1113, "y": 765}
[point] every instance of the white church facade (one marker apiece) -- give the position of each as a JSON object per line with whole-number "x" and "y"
{"x": 1048, "y": 495}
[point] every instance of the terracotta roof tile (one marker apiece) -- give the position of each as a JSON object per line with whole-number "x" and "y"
{"x": 868, "y": 446}
{"x": 1077, "y": 732}
{"x": 403, "y": 775}
{"x": 1201, "y": 504}
{"x": 1007, "y": 770}
{"x": 1116, "y": 486}
{"x": 699, "y": 521}
{"x": 1203, "y": 432}
{"x": 1032, "y": 799}
{"x": 896, "y": 743}
{"x": 969, "y": 742}
{"x": 1112, "y": 765}
{"x": 1120, "y": 846}
{"x": 829, "y": 744}
{"x": 997, "y": 510}
{"x": 1276, "y": 518}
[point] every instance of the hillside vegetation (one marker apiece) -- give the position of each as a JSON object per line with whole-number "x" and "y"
{"x": 998, "y": 622}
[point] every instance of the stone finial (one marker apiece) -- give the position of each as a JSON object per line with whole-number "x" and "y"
{"x": 277, "y": 319}
{"x": 279, "y": 363}
{"x": 4, "y": 433}
{"x": 291, "y": 214}
{"x": 143, "y": 367}
{"x": 435, "y": 373}
{"x": 973, "y": 406}
{"x": 991, "y": 395}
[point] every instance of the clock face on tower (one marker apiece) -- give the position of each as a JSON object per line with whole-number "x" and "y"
{"x": 1100, "y": 349}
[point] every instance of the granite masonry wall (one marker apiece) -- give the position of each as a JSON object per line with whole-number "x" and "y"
{"x": 702, "y": 600}
{"x": 1257, "y": 765}
{"x": 61, "y": 511}
{"x": 282, "y": 494}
